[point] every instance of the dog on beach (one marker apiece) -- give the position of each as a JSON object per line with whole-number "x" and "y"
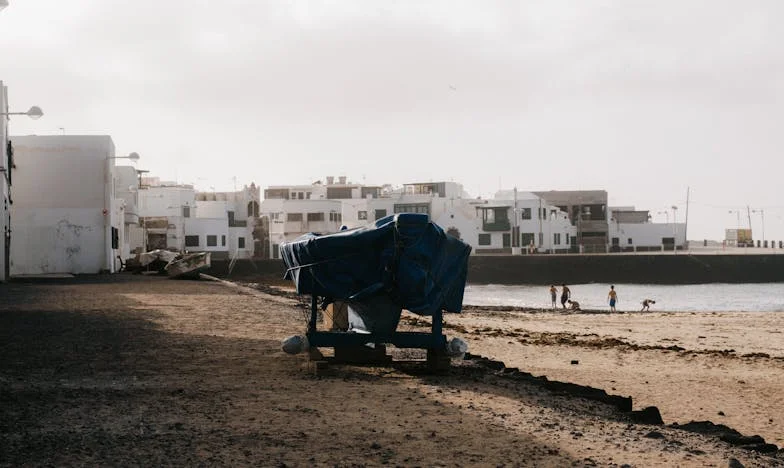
{"x": 646, "y": 305}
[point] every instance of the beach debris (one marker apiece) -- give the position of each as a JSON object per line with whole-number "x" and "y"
{"x": 574, "y": 362}
{"x": 456, "y": 348}
{"x": 647, "y": 415}
{"x": 721, "y": 413}
{"x": 295, "y": 344}
{"x": 654, "y": 435}
{"x": 734, "y": 463}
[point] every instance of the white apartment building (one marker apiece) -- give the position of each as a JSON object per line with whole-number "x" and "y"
{"x": 176, "y": 217}
{"x": 65, "y": 216}
{"x": 631, "y": 230}
{"x": 511, "y": 222}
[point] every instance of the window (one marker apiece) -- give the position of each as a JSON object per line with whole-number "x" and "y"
{"x": 115, "y": 238}
{"x": 361, "y": 215}
{"x": 568, "y": 239}
{"x": 223, "y": 240}
{"x": 315, "y": 216}
{"x": 293, "y": 216}
{"x": 186, "y": 211}
{"x": 527, "y": 238}
{"x": 301, "y": 195}
{"x": 336, "y": 217}
{"x": 526, "y": 213}
{"x": 423, "y": 208}
{"x": 629, "y": 241}
{"x": 484, "y": 239}
{"x": 380, "y": 214}
{"x": 191, "y": 241}
{"x": 212, "y": 241}
{"x": 557, "y": 238}
{"x": 241, "y": 242}
{"x": 616, "y": 241}
{"x": 231, "y": 218}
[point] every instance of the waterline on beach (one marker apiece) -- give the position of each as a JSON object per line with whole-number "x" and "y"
{"x": 715, "y": 297}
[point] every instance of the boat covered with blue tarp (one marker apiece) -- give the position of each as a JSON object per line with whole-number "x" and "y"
{"x": 405, "y": 258}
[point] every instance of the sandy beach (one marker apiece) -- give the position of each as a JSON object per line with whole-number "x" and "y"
{"x": 130, "y": 370}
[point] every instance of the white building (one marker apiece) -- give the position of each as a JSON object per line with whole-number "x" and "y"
{"x": 523, "y": 219}
{"x": 631, "y": 230}
{"x": 511, "y": 222}
{"x": 65, "y": 217}
{"x": 5, "y": 186}
{"x": 177, "y": 217}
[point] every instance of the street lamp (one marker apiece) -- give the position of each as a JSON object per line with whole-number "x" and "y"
{"x": 675, "y": 228}
{"x": 762, "y": 213}
{"x": 133, "y": 157}
{"x": 34, "y": 113}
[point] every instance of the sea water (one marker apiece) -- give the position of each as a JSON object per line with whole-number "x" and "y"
{"x": 715, "y": 297}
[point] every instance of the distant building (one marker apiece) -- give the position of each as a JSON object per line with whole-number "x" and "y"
{"x": 631, "y": 230}
{"x": 177, "y": 217}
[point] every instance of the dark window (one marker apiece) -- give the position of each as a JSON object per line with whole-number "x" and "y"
{"x": 212, "y": 241}
{"x": 507, "y": 239}
{"x": 293, "y": 216}
{"x": 526, "y": 238}
{"x": 338, "y": 192}
{"x": 231, "y": 218}
{"x": 630, "y": 241}
{"x": 557, "y": 238}
{"x": 275, "y": 251}
{"x": 191, "y": 241}
{"x": 253, "y": 209}
{"x": 277, "y": 194}
{"x": 336, "y": 217}
{"x": 315, "y": 216}
{"x": 380, "y": 214}
{"x": 186, "y": 211}
{"x": 526, "y": 213}
{"x": 372, "y": 191}
{"x": 616, "y": 241}
{"x": 413, "y": 208}
{"x": 361, "y": 215}
{"x": 241, "y": 242}
{"x": 484, "y": 239}
{"x": 223, "y": 240}
{"x": 115, "y": 238}
{"x": 301, "y": 195}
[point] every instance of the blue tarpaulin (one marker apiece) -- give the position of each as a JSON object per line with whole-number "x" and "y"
{"x": 404, "y": 256}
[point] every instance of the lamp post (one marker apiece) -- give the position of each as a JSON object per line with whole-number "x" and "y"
{"x": 762, "y": 214}
{"x": 34, "y": 112}
{"x": 675, "y": 228}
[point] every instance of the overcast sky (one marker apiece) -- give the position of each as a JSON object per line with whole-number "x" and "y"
{"x": 639, "y": 98}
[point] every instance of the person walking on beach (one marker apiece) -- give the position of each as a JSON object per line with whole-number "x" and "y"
{"x": 613, "y": 298}
{"x": 553, "y": 294}
{"x": 565, "y": 295}
{"x": 646, "y": 305}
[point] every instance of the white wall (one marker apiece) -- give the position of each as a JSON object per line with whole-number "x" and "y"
{"x": 646, "y": 234}
{"x": 211, "y": 209}
{"x": 5, "y": 221}
{"x": 63, "y": 211}
{"x": 204, "y": 227}
{"x": 166, "y": 200}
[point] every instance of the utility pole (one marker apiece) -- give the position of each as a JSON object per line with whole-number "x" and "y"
{"x": 686, "y": 225}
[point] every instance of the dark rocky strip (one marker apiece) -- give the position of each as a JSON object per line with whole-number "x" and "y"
{"x": 649, "y": 415}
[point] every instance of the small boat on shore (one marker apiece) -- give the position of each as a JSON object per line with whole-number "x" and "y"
{"x": 188, "y": 265}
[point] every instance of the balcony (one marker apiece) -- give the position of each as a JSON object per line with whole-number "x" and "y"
{"x": 498, "y": 225}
